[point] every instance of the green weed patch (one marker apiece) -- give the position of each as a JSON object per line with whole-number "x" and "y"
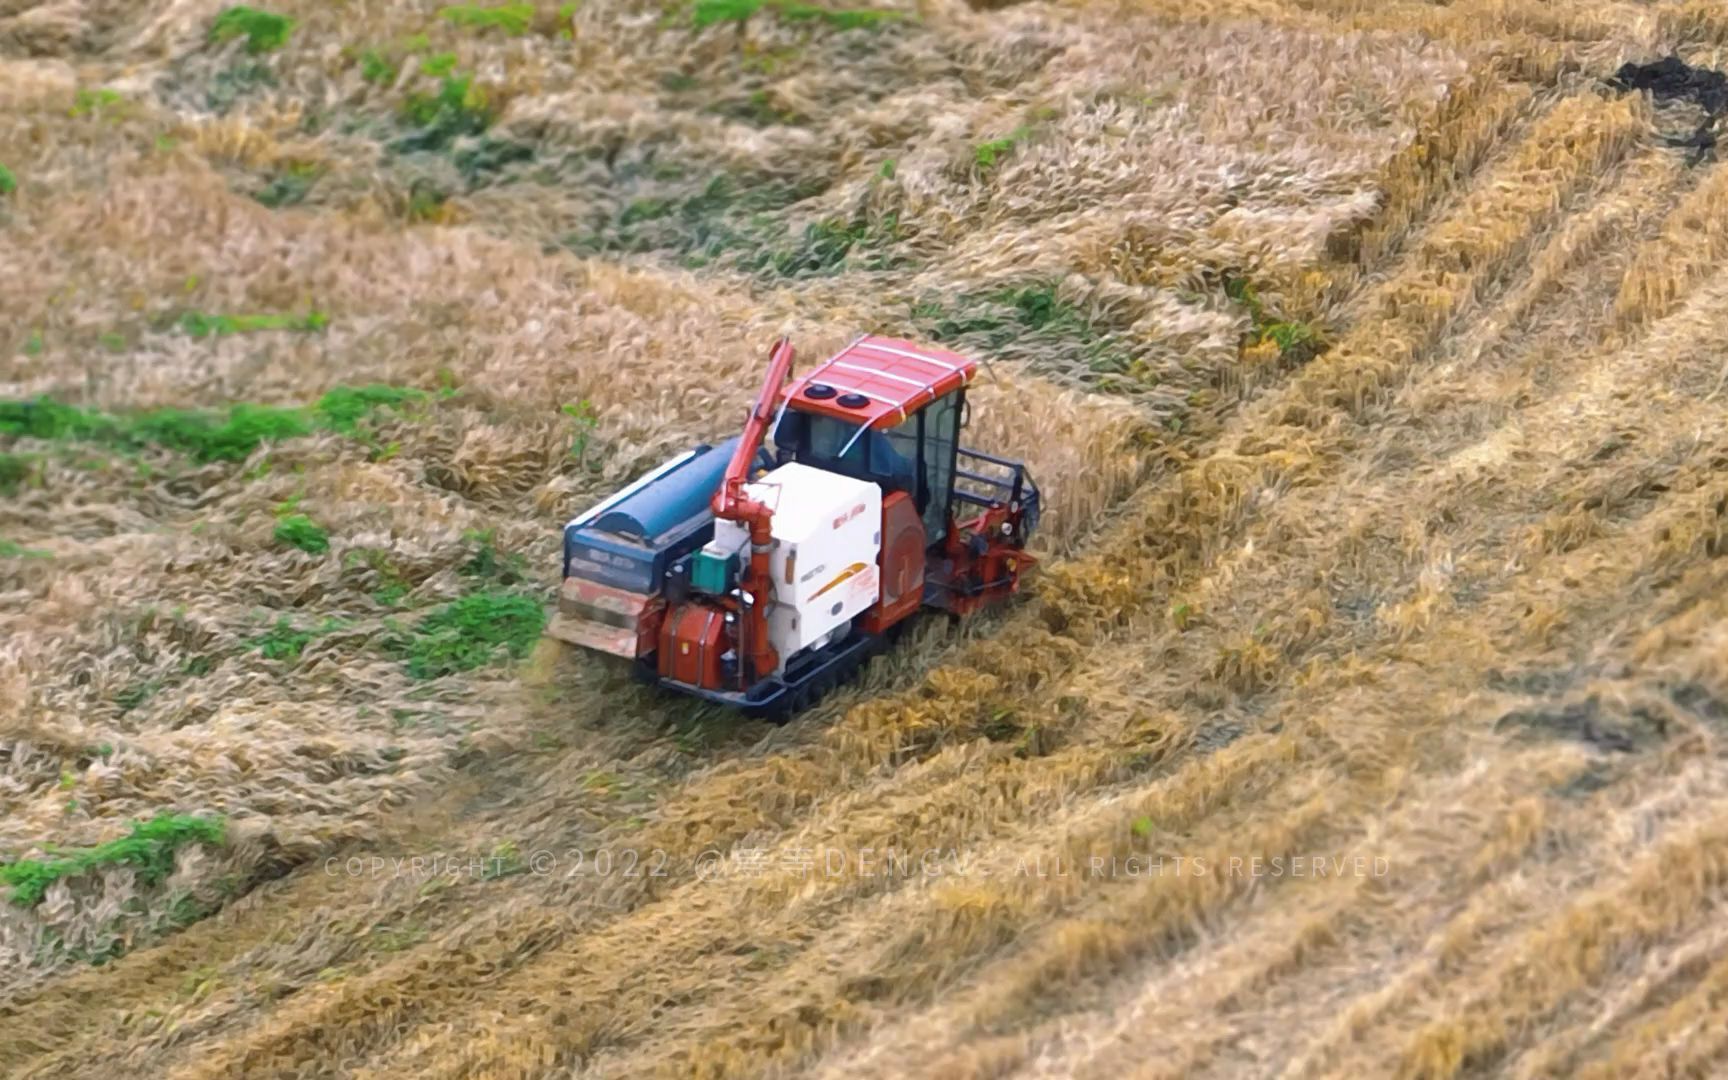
{"x": 149, "y": 848}
{"x": 16, "y": 470}
{"x": 490, "y": 565}
{"x": 737, "y": 221}
{"x": 238, "y": 81}
{"x": 392, "y": 584}
{"x": 264, "y": 31}
{"x": 8, "y": 181}
{"x": 87, "y": 102}
{"x": 1297, "y": 342}
{"x": 457, "y": 108}
{"x": 510, "y": 18}
{"x": 347, "y": 409}
{"x": 706, "y": 13}
{"x": 438, "y": 65}
{"x": 479, "y": 629}
{"x": 204, "y": 435}
{"x": 376, "y": 68}
{"x": 986, "y": 154}
{"x": 10, "y": 549}
{"x": 300, "y": 531}
{"x": 198, "y": 325}
{"x": 480, "y": 163}
{"x": 1031, "y": 312}
{"x": 133, "y": 695}
{"x": 285, "y": 642}
{"x": 825, "y": 247}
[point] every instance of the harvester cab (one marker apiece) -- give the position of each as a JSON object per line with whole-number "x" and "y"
{"x": 762, "y": 580}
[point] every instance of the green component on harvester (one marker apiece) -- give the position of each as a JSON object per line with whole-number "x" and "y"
{"x": 712, "y": 573}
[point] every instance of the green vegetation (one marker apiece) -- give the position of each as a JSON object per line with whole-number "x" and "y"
{"x": 585, "y": 420}
{"x": 757, "y": 110}
{"x": 487, "y": 157}
{"x": 985, "y": 155}
{"x": 707, "y": 13}
{"x": 285, "y": 642}
{"x": 233, "y": 83}
{"x": 425, "y": 201}
{"x": 825, "y": 245}
{"x": 87, "y": 102}
{"x": 346, "y": 409}
{"x": 16, "y": 470}
{"x": 376, "y": 68}
{"x": 506, "y": 861}
{"x": 489, "y": 565}
{"x": 1032, "y": 312}
{"x": 510, "y": 18}
{"x": 12, "y": 550}
{"x": 566, "y": 13}
{"x": 8, "y": 182}
{"x": 135, "y": 694}
{"x": 392, "y": 585}
{"x": 438, "y": 65}
{"x": 199, "y": 325}
{"x": 1297, "y": 342}
{"x": 264, "y": 31}
{"x": 380, "y": 64}
{"x": 738, "y": 221}
{"x": 149, "y": 847}
{"x": 458, "y": 108}
{"x": 204, "y": 435}
{"x": 290, "y": 187}
{"x": 474, "y": 631}
{"x": 298, "y": 530}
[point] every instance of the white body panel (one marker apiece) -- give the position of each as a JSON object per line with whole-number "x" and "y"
{"x": 829, "y": 527}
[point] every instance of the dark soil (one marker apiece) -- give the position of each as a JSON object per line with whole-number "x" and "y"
{"x": 1672, "y": 79}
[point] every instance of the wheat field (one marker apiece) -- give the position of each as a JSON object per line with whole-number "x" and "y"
{"x": 1365, "y": 716}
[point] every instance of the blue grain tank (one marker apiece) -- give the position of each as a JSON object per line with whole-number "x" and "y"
{"x": 630, "y": 540}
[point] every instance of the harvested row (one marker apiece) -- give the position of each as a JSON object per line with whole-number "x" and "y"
{"x": 1664, "y": 892}
{"x": 1684, "y": 1038}
{"x": 517, "y": 1044}
{"x": 769, "y": 795}
{"x": 183, "y": 236}
{"x": 1692, "y": 243}
{"x": 1655, "y": 531}
{"x": 1493, "y": 227}
{"x": 1201, "y": 614}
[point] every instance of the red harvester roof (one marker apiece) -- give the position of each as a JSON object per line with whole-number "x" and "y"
{"x": 897, "y": 377}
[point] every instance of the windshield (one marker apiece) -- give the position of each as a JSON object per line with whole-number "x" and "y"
{"x": 829, "y": 436}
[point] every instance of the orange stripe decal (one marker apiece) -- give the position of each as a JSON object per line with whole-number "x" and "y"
{"x": 855, "y": 568}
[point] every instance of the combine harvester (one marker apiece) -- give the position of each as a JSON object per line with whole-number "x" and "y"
{"x": 761, "y": 581}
